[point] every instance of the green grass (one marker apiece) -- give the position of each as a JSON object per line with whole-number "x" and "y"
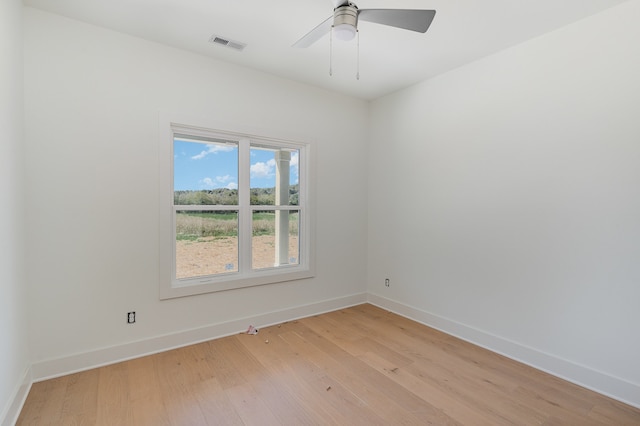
{"x": 212, "y": 215}
{"x": 190, "y": 225}
{"x": 193, "y": 225}
{"x": 186, "y": 237}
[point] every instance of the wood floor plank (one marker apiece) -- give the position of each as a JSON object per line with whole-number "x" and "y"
{"x": 216, "y": 407}
{"x": 80, "y": 405}
{"x": 113, "y": 397}
{"x": 282, "y": 401}
{"x": 367, "y": 386}
{"x": 177, "y": 373}
{"x": 45, "y": 399}
{"x": 465, "y": 388}
{"x": 470, "y": 365}
{"x": 613, "y": 412}
{"x": 452, "y": 407}
{"x": 317, "y": 385}
{"x": 357, "y": 366}
{"x": 147, "y": 407}
{"x": 219, "y": 359}
{"x": 250, "y": 406}
{"x": 359, "y": 374}
{"x": 477, "y": 365}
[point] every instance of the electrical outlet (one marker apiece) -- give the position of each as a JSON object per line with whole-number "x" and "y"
{"x": 386, "y": 282}
{"x": 131, "y": 317}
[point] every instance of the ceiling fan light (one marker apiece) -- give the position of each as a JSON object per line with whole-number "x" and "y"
{"x": 344, "y": 32}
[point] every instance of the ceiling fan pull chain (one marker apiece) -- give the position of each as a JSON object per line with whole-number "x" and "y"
{"x": 358, "y": 56}
{"x": 331, "y": 52}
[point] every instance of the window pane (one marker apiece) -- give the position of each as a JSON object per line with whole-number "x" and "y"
{"x": 274, "y": 176}
{"x": 205, "y": 172}
{"x": 275, "y": 239}
{"x": 206, "y": 243}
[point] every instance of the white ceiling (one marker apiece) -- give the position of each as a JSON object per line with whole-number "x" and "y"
{"x": 390, "y": 58}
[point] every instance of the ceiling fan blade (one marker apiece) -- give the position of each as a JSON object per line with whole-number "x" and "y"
{"x": 315, "y": 34}
{"x": 408, "y": 19}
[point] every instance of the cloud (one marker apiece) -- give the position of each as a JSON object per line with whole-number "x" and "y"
{"x": 219, "y": 182}
{"x": 208, "y": 183}
{"x": 294, "y": 163}
{"x": 213, "y": 149}
{"x": 262, "y": 170}
{"x": 223, "y": 179}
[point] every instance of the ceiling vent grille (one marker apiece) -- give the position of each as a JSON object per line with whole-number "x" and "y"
{"x": 236, "y": 45}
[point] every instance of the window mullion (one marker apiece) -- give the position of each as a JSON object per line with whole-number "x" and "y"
{"x": 244, "y": 194}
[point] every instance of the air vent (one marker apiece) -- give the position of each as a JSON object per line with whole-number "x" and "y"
{"x": 226, "y": 42}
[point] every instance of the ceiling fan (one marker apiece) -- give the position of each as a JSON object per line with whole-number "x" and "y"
{"x": 346, "y": 16}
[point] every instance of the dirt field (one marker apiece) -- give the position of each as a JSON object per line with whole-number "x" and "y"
{"x": 209, "y": 256}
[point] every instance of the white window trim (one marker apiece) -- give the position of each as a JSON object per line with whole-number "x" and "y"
{"x": 171, "y": 288}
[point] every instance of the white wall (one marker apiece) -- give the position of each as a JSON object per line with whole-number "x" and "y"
{"x": 14, "y": 359}
{"x": 504, "y": 201}
{"x": 93, "y": 97}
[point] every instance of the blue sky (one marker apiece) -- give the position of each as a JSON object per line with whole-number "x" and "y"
{"x": 198, "y": 166}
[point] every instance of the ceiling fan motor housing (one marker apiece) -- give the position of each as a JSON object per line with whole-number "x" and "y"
{"x": 345, "y": 21}
{"x": 346, "y": 15}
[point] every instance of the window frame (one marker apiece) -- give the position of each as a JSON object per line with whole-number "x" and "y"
{"x": 170, "y": 287}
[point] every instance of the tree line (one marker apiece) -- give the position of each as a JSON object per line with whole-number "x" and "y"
{"x": 225, "y": 196}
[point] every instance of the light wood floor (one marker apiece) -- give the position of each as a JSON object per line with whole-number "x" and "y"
{"x": 356, "y": 366}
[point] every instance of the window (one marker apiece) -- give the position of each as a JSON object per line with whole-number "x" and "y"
{"x": 235, "y": 211}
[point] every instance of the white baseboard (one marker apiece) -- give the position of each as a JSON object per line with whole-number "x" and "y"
{"x": 605, "y": 384}
{"x": 84, "y": 361}
{"x": 10, "y": 416}
{"x": 597, "y": 381}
